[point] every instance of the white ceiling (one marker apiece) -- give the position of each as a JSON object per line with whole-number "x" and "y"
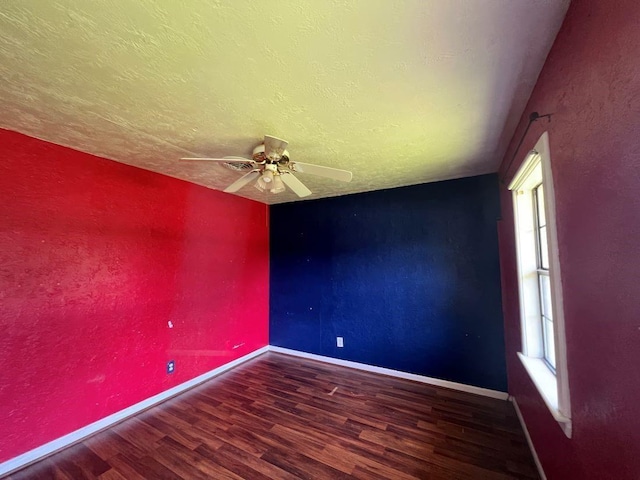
{"x": 398, "y": 91}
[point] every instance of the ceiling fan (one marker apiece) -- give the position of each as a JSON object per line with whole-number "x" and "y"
{"x": 272, "y": 169}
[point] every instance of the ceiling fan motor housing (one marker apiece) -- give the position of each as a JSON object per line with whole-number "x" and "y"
{"x": 260, "y": 156}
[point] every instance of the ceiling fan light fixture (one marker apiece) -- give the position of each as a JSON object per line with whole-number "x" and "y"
{"x": 267, "y": 176}
{"x": 260, "y": 184}
{"x": 278, "y": 185}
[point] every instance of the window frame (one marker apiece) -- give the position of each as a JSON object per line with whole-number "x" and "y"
{"x": 552, "y": 385}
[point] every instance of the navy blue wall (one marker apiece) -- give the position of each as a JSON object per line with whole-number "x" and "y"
{"x": 409, "y": 277}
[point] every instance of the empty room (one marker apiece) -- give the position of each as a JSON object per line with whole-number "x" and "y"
{"x": 283, "y": 239}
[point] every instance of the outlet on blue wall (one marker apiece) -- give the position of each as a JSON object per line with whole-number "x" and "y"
{"x": 409, "y": 277}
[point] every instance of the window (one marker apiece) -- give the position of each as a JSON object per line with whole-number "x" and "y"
{"x": 543, "y": 341}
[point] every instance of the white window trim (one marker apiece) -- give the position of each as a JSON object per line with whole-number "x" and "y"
{"x": 554, "y": 389}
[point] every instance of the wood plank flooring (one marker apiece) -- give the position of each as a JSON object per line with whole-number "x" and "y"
{"x": 281, "y": 417}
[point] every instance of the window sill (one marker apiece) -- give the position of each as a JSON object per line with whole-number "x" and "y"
{"x": 547, "y": 385}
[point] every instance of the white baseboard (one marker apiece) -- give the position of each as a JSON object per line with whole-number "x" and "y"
{"x": 38, "y": 453}
{"x": 529, "y": 441}
{"x": 394, "y": 373}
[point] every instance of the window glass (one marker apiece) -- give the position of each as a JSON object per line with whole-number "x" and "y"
{"x": 545, "y": 293}
{"x": 549, "y": 343}
{"x": 544, "y": 249}
{"x": 542, "y": 221}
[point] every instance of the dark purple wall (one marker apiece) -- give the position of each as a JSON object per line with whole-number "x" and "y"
{"x": 591, "y": 83}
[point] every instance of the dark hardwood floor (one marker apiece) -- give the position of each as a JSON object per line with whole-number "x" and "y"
{"x": 283, "y": 417}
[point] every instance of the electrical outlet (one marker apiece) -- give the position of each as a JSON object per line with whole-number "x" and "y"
{"x": 340, "y": 342}
{"x": 171, "y": 366}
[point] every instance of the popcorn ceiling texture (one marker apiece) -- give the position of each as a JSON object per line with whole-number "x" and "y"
{"x": 399, "y": 92}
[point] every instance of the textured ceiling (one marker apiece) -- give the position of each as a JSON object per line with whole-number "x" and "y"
{"x": 399, "y": 92}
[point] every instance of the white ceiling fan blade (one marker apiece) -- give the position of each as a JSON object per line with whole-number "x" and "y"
{"x": 242, "y": 181}
{"x": 295, "y": 185}
{"x": 274, "y": 145}
{"x": 334, "y": 173}
{"x": 223, "y": 159}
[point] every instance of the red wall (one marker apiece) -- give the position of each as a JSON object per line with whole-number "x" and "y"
{"x": 95, "y": 258}
{"x": 591, "y": 83}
